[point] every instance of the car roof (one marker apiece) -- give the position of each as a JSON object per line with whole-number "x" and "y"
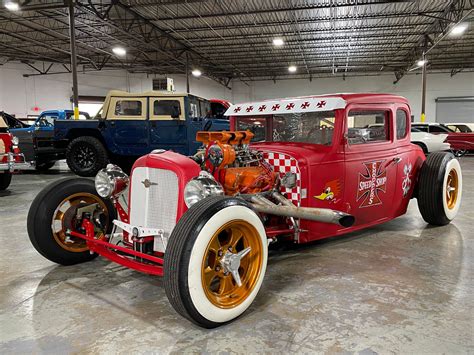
{"x": 311, "y": 103}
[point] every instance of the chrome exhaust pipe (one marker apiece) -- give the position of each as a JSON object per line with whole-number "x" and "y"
{"x": 288, "y": 209}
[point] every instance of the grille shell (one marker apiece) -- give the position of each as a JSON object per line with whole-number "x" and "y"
{"x": 155, "y": 206}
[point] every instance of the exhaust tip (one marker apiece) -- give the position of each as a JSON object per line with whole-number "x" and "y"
{"x": 347, "y": 221}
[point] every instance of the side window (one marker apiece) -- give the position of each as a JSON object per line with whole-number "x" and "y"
{"x": 46, "y": 121}
{"x": 128, "y": 108}
{"x": 437, "y": 129}
{"x": 402, "y": 124}
{"x": 368, "y": 126}
{"x": 167, "y": 109}
{"x": 121, "y": 108}
{"x": 205, "y": 108}
{"x": 422, "y": 128}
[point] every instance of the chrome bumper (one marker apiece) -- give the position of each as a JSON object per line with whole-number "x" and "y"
{"x": 12, "y": 165}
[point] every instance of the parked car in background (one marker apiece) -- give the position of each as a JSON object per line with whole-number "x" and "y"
{"x": 205, "y": 222}
{"x": 429, "y": 142}
{"x": 37, "y": 142}
{"x": 461, "y": 143}
{"x": 10, "y": 157}
{"x": 461, "y": 127}
{"x": 130, "y": 125}
{"x": 432, "y": 127}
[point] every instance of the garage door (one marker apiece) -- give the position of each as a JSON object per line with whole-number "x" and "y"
{"x": 455, "y": 109}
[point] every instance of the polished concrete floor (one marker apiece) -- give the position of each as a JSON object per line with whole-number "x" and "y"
{"x": 401, "y": 287}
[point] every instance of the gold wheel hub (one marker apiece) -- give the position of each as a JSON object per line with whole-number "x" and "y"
{"x": 452, "y": 187}
{"x": 64, "y": 218}
{"x": 232, "y": 264}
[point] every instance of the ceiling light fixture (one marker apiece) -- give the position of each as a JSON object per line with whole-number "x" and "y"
{"x": 278, "y": 42}
{"x": 12, "y": 6}
{"x": 291, "y": 68}
{"x": 119, "y": 51}
{"x": 421, "y": 62}
{"x": 196, "y": 72}
{"x": 459, "y": 29}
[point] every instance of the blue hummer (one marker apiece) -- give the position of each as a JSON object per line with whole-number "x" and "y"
{"x": 130, "y": 125}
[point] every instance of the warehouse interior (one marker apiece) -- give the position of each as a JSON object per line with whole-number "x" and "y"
{"x": 403, "y": 286}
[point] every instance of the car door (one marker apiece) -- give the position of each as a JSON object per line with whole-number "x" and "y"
{"x": 43, "y": 134}
{"x": 410, "y": 161}
{"x": 127, "y": 125}
{"x": 370, "y": 161}
{"x": 168, "y": 128}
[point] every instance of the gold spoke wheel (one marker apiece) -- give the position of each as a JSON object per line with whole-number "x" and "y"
{"x": 64, "y": 218}
{"x": 452, "y": 187}
{"x": 218, "y": 284}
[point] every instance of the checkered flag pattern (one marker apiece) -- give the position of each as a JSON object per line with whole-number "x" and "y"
{"x": 283, "y": 163}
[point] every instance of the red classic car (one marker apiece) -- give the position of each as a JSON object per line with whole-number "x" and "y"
{"x": 10, "y": 157}
{"x": 318, "y": 167}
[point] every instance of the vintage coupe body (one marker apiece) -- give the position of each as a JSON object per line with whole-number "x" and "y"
{"x": 318, "y": 167}
{"x": 10, "y": 157}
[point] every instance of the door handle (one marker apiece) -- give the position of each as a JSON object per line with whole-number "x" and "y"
{"x": 397, "y": 160}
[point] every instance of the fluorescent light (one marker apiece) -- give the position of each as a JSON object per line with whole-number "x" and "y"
{"x": 121, "y": 52}
{"x": 12, "y": 6}
{"x": 196, "y": 72}
{"x": 291, "y": 68}
{"x": 421, "y": 62}
{"x": 278, "y": 42}
{"x": 459, "y": 29}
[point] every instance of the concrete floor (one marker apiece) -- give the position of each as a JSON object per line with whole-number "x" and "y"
{"x": 401, "y": 287}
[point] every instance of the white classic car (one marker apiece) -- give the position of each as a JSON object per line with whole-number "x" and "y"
{"x": 429, "y": 142}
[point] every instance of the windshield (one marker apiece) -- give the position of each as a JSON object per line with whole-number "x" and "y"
{"x": 308, "y": 127}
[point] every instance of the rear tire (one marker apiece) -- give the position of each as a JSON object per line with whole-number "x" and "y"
{"x": 440, "y": 188}
{"x": 197, "y": 284}
{"x": 5, "y": 180}
{"x": 85, "y": 156}
{"x": 41, "y": 220}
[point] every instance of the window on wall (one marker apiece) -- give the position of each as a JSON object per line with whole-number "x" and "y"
{"x": 402, "y": 124}
{"x": 368, "y": 126}
{"x": 128, "y": 108}
{"x": 170, "y": 108}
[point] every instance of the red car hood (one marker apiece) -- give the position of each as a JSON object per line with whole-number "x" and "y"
{"x": 306, "y": 154}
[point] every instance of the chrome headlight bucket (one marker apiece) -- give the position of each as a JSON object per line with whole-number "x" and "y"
{"x": 111, "y": 181}
{"x": 201, "y": 187}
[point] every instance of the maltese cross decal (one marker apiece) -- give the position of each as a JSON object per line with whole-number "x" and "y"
{"x": 372, "y": 182}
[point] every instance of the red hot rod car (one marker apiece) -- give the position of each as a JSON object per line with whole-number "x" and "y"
{"x": 318, "y": 167}
{"x": 10, "y": 157}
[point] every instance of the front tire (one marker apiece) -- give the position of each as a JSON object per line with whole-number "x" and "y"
{"x": 86, "y": 155}
{"x": 5, "y": 180}
{"x": 53, "y": 211}
{"x": 440, "y": 188}
{"x": 200, "y": 278}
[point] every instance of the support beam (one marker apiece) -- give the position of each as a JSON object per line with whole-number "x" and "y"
{"x": 72, "y": 34}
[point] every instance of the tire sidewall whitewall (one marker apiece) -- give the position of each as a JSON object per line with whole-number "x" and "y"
{"x": 452, "y": 164}
{"x": 195, "y": 286}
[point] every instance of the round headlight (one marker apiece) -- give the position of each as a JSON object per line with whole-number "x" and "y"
{"x": 15, "y": 140}
{"x": 201, "y": 187}
{"x": 111, "y": 181}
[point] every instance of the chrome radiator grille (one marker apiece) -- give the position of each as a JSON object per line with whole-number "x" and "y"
{"x": 154, "y": 201}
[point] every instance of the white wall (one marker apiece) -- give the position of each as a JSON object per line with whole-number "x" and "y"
{"x": 19, "y": 95}
{"x": 438, "y": 85}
